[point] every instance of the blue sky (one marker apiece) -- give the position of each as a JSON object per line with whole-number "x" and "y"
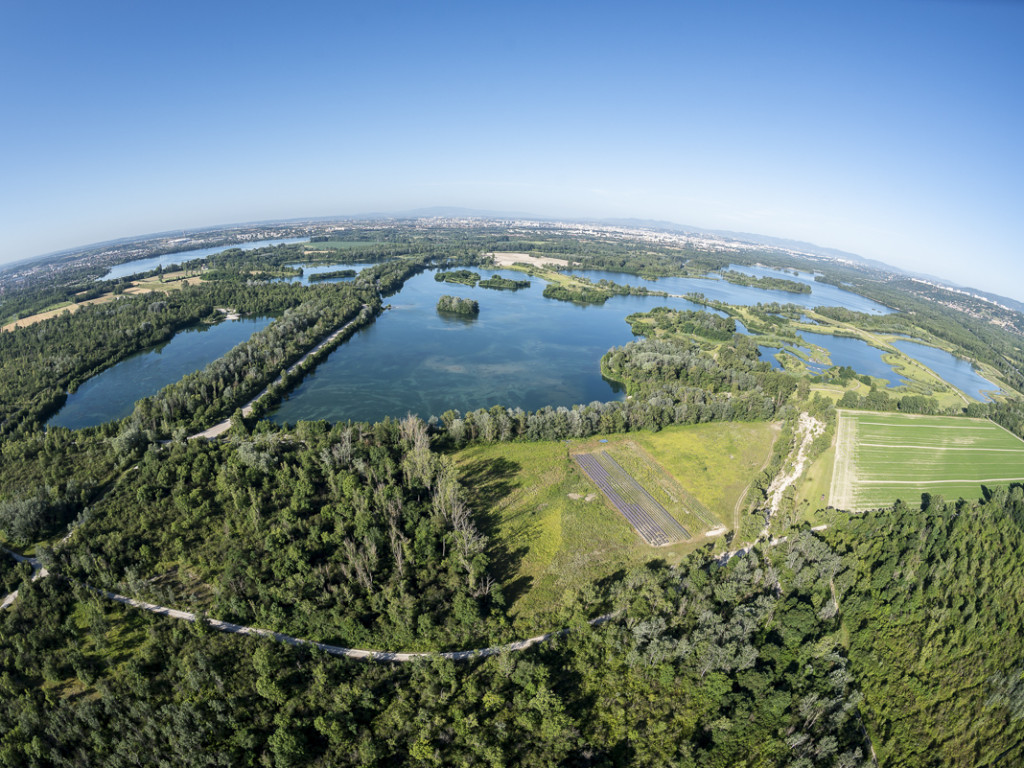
{"x": 890, "y": 129}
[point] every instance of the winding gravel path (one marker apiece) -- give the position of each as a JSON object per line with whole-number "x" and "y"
{"x": 38, "y": 572}
{"x": 335, "y": 650}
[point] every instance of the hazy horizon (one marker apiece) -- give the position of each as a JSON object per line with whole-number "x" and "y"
{"x": 885, "y": 130}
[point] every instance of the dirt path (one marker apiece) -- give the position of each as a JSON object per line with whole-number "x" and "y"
{"x": 743, "y": 496}
{"x": 219, "y": 429}
{"x": 809, "y": 429}
{"x": 335, "y": 650}
{"x": 38, "y": 572}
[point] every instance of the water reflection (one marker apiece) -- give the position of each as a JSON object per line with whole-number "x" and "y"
{"x": 959, "y": 373}
{"x": 112, "y": 394}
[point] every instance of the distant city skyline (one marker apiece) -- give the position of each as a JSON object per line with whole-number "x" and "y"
{"x": 888, "y": 130}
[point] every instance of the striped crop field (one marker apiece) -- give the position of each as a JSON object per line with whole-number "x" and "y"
{"x": 882, "y": 457}
{"x": 650, "y": 519}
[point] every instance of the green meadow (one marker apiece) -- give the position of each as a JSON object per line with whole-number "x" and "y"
{"x": 554, "y": 533}
{"x": 883, "y": 457}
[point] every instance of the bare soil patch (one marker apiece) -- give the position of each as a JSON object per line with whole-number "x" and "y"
{"x": 507, "y": 259}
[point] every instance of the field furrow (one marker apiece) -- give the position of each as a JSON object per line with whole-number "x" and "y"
{"x": 882, "y": 457}
{"x": 650, "y": 519}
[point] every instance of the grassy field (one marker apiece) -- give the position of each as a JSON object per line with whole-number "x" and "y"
{"x": 661, "y": 484}
{"x": 172, "y": 281}
{"x": 53, "y": 311}
{"x": 553, "y": 531}
{"x": 882, "y": 457}
{"x": 814, "y": 487}
{"x": 648, "y": 516}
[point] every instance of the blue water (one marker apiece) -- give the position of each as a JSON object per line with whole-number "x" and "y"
{"x": 307, "y": 270}
{"x": 521, "y": 351}
{"x": 139, "y": 266}
{"x": 768, "y": 356}
{"x": 959, "y": 373}
{"x": 796, "y": 275}
{"x": 856, "y": 354}
{"x": 112, "y": 394}
{"x": 821, "y": 294}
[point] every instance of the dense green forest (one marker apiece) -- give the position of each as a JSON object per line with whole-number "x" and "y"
{"x": 892, "y": 638}
{"x": 934, "y": 618}
{"x": 767, "y": 283}
{"x": 584, "y": 291}
{"x": 352, "y": 535}
{"x": 704, "y": 665}
{"x": 461, "y": 276}
{"x": 500, "y": 283}
{"x": 455, "y": 305}
{"x": 334, "y": 274}
{"x": 670, "y": 321}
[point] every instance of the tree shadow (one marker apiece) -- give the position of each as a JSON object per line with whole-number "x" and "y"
{"x": 489, "y": 482}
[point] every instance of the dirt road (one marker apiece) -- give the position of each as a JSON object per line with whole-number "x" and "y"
{"x": 219, "y": 429}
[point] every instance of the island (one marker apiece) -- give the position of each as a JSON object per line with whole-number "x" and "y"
{"x": 332, "y": 275}
{"x": 453, "y": 305}
{"x": 500, "y": 283}
{"x": 542, "y": 540}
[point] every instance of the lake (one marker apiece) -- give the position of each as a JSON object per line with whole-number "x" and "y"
{"x": 959, "y": 373}
{"x": 821, "y": 294}
{"x": 768, "y": 355}
{"x": 308, "y": 270}
{"x": 112, "y": 393}
{"x": 856, "y": 354}
{"x": 138, "y": 266}
{"x": 521, "y": 351}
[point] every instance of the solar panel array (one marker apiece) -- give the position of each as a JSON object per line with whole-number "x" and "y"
{"x": 698, "y": 510}
{"x": 690, "y": 503}
{"x": 651, "y": 520}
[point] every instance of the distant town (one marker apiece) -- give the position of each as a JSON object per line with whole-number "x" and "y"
{"x": 100, "y": 257}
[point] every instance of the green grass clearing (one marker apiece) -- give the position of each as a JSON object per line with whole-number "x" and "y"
{"x": 660, "y": 483}
{"x": 814, "y": 487}
{"x": 553, "y": 531}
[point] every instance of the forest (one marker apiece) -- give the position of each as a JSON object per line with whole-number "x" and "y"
{"x": 767, "y": 283}
{"x": 334, "y": 274}
{"x": 702, "y": 665}
{"x": 500, "y": 283}
{"x": 584, "y": 291}
{"x": 454, "y": 305}
{"x": 893, "y": 637}
{"x": 461, "y": 276}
